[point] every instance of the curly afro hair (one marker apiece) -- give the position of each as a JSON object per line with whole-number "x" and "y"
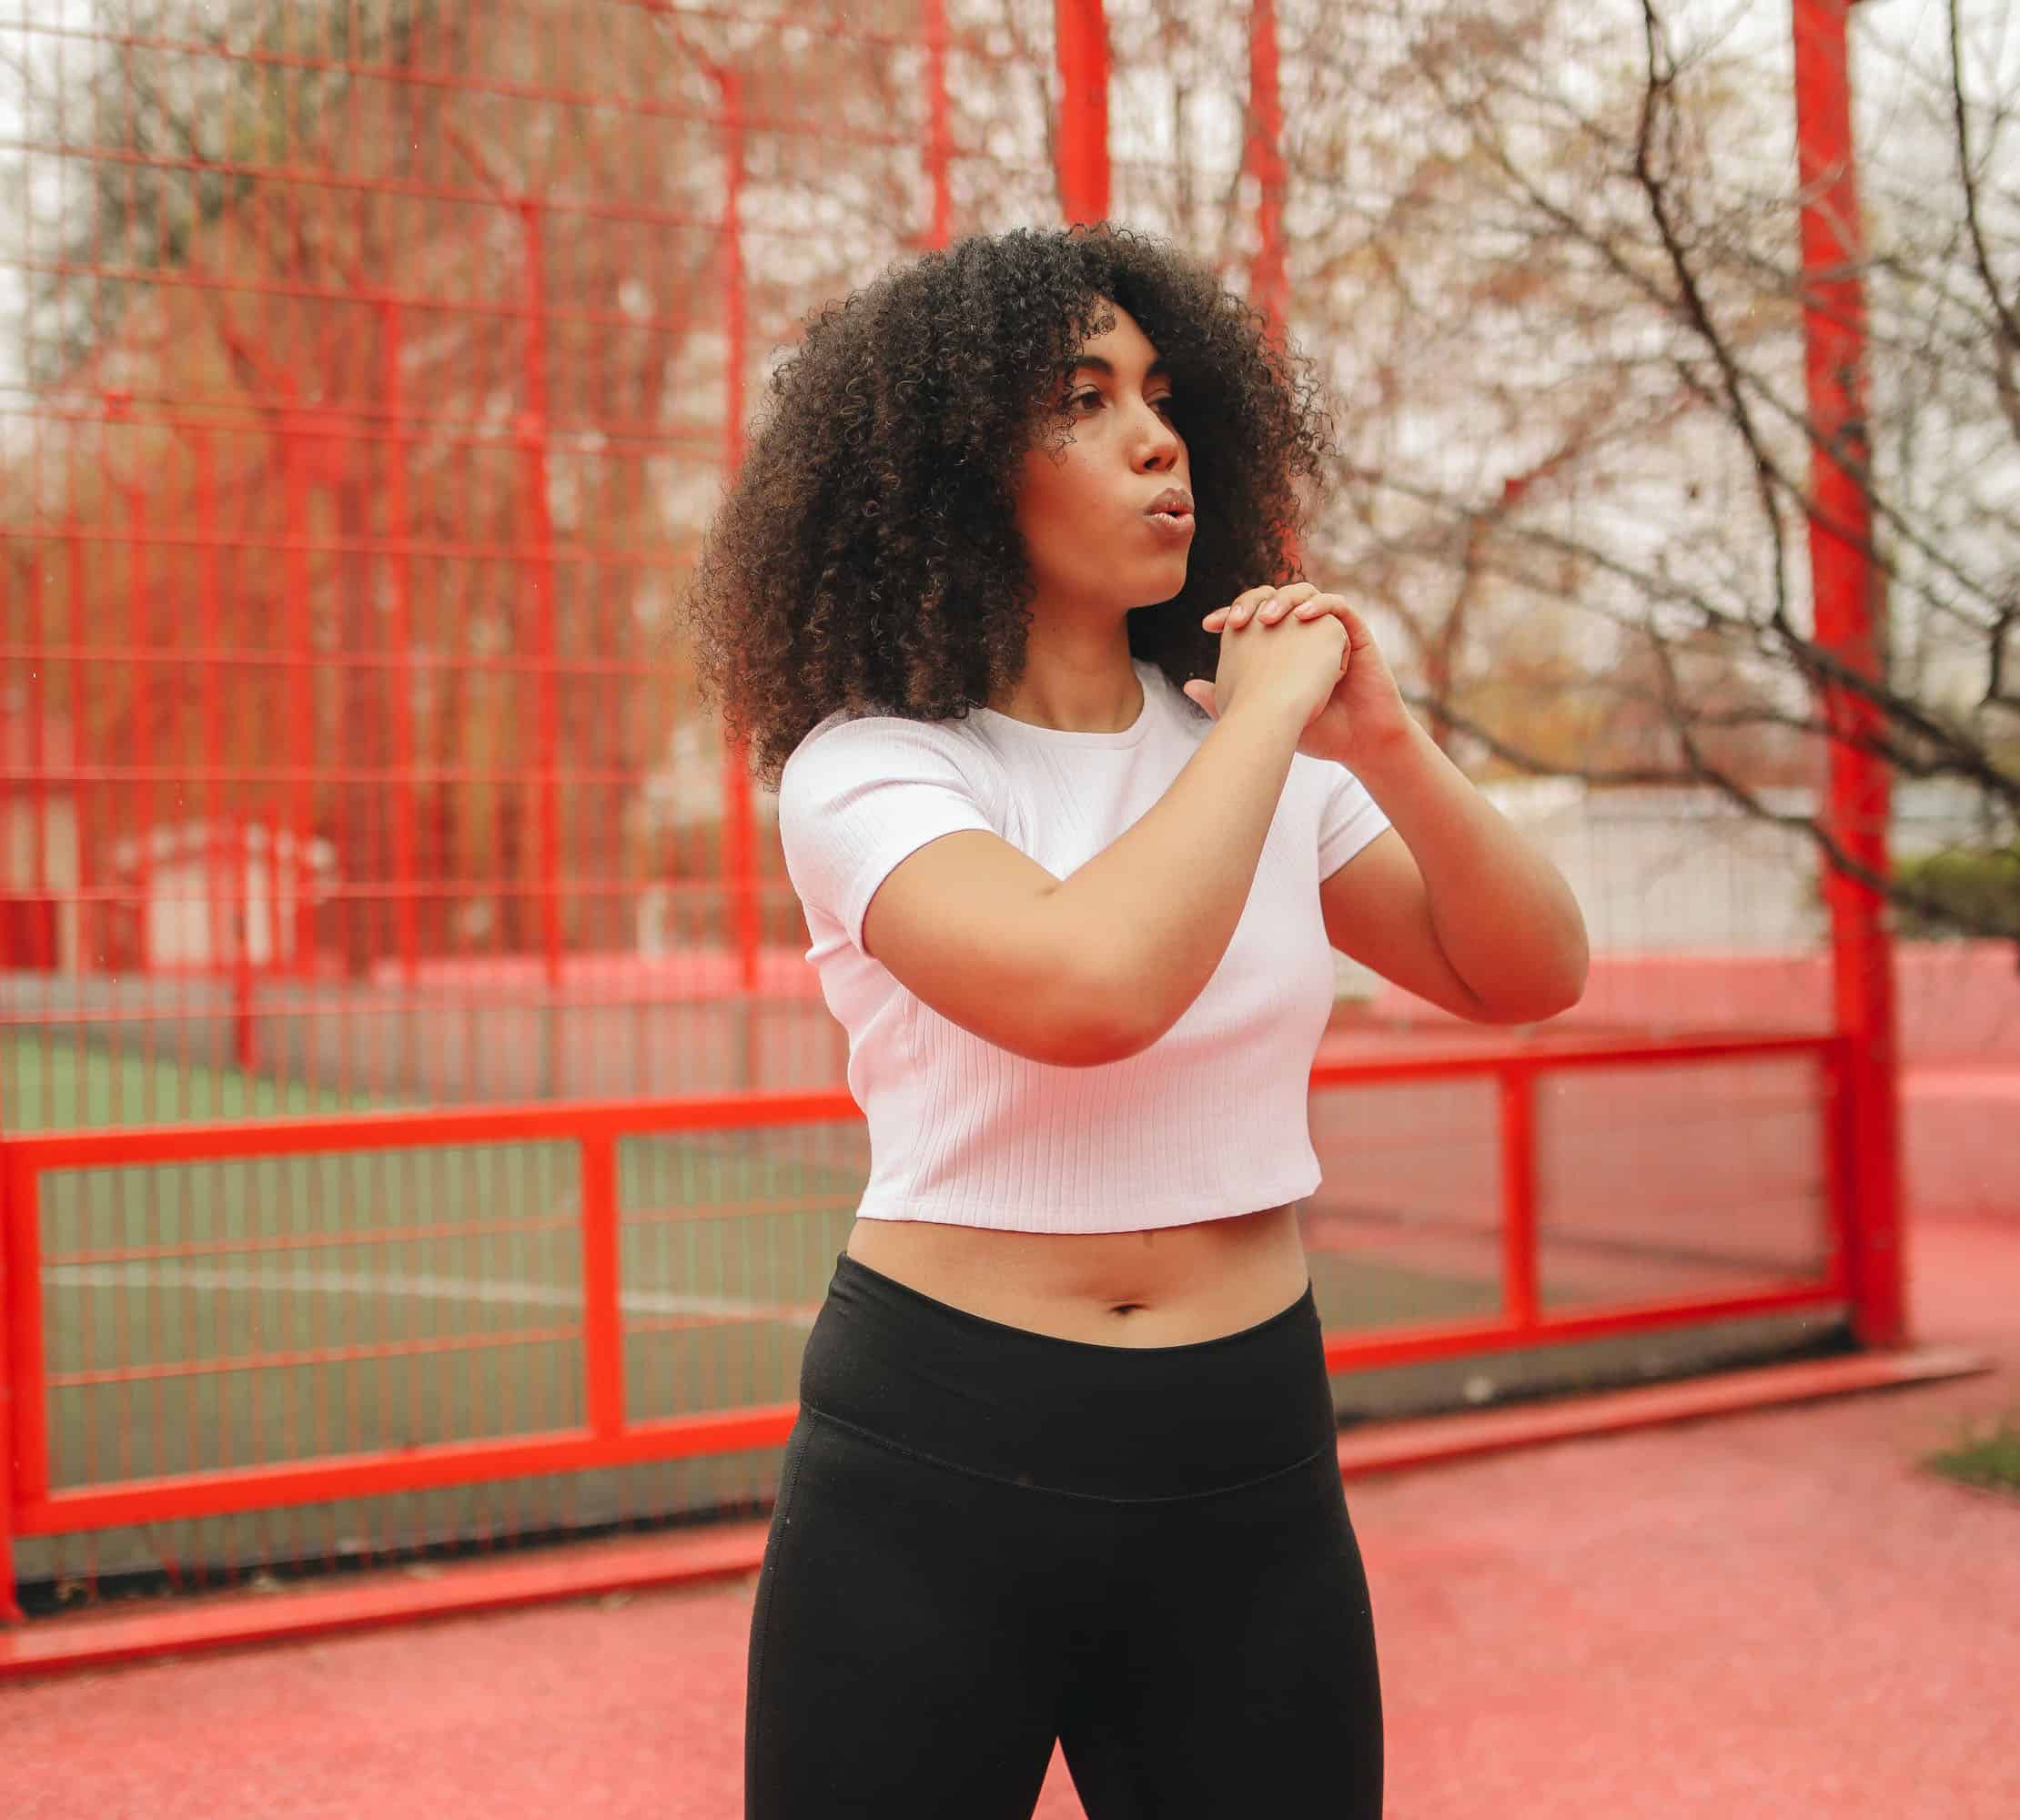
{"x": 867, "y": 558}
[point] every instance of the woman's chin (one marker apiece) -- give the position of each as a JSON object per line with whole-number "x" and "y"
{"x": 1160, "y": 592}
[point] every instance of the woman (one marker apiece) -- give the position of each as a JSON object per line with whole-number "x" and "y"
{"x": 1065, "y": 1462}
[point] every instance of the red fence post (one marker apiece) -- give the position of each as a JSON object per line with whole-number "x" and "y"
{"x": 24, "y": 1417}
{"x": 939, "y": 154}
{"x": 400, "y": 635}
{"x": 1842, "y": 579}
{"x": 143, "y": 786}
{"x": 10, "y": 1603}
{"x": 738, "y": 863}
{"x": 1081, "y": 29}
{"x": 1268, "y": 286}
{"x": 301, "y": 710}
{"x": 602, "y": 1316}
{"x": 210, "y": 632}
{"x": 547, "y": 721}
{"x": 1519, "y": 1222}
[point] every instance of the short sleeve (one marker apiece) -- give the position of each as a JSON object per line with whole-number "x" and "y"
{"x": 1349, "y": 819}
{"x": 857, "y": 798}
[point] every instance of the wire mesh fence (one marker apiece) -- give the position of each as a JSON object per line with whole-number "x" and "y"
{"x": 374, "y": 369}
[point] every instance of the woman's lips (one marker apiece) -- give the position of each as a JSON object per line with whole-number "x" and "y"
{"x": 1176, "y": 525}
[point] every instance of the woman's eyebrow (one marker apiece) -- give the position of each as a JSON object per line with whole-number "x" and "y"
{"x": 1155, "y": 370}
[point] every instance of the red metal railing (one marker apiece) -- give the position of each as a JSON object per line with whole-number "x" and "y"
{"x": 1513, "y": 1234}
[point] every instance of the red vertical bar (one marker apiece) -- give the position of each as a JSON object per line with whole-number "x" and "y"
{"x": 602, "y": 1319}
{"x": 400, "y": 632}
{"x": 539, "y": 572}
{"x": 13, "y": 1381}
{"x": 939, "y": 152}
{"x": 8, "y": 959}
{"x": 38, "y": 755}
{"x": 1518, "y": 1234}
{"x": 220, "y": 936}
{"x": 1081, "y": 30}
{"x": 1268, "y": 287}
{"x": 739, "y": 826}
{"x": 1840, "y": 537}
{"x": 301, "y": 710}
{"x": 21, "y": 1313}
{"x": 91, "y": 916}
{"x": 239, "y": 909}
{"x": 1838, "y": 1140}
{"x": 143, "y": 817}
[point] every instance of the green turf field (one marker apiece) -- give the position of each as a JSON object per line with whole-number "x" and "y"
{"x": 52, "y": 1082}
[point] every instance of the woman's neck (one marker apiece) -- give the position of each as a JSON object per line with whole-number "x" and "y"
{"x": 1088, "y": 688}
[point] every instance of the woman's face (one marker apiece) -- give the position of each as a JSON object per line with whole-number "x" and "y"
{"x": 1086, "y": 511}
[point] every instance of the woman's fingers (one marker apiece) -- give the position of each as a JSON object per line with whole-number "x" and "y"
{"x": 1295, "y": 595}
{"x": 1238, "y": 610}
{"x": 1266, "y": 605}
{"x": 1358, "y": 632}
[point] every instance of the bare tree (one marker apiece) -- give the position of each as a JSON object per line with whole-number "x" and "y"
{"x": 1578, "y": 484}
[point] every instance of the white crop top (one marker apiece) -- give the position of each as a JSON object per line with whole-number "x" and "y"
{"x": 1210, "y": 1120}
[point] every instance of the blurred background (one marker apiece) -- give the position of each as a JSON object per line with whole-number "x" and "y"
{"x": 421, "y": 1130}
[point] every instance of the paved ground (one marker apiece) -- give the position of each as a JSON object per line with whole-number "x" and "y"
{"x": 1774, "y": 1614}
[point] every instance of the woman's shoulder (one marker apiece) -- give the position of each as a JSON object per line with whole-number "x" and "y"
{"x": 848, "y": 729}
{"x": 853, "y": 745}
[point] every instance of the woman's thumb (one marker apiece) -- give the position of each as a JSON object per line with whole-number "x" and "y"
{"x": 1202, "y": 694}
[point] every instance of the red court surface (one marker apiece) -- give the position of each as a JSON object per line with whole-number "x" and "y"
{"x": 1777, "y": 1613}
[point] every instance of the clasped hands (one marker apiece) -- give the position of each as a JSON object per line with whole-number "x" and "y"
{"x": 1366, "y": 712}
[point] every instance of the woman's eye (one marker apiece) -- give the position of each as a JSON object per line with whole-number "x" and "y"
{"x": 1084, "y": 398}
{"x": 1166, "y": 403}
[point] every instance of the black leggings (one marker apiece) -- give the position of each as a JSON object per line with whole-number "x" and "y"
{"x": 988, "y": 1539}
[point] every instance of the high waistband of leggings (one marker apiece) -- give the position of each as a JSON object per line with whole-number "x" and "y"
{"x": 1120, "y": 1422}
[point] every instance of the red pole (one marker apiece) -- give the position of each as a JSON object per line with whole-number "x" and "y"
{"x": 224, "y": 852}
{"x": 1519, "y": 1305}
{"x": 1080, "y": 27}
{"x": 1840, "y": 537}
{"x": 602, "y": 1316}
{"x": 210, "y": 636}
{"x": 400, "y": 632}
{"x": 1268, "y": 286}
{"x": 739, "y": 826}
{"x": 94, "y": 920}
{"x": 939, "y": 137}
{"x": 10, "y": 1603}
{"x": 239, "y": 913}
{"x": 143, "y": 720}
{"x": 539, "y": 533}
{"x": 301, "y": 712}
{"x": 39, "y": 752}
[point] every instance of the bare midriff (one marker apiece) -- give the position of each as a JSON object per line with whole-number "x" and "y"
{"x": 1165, "y": 1286}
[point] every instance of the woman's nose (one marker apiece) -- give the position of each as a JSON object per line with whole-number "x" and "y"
{"x": 1160, "y": 444}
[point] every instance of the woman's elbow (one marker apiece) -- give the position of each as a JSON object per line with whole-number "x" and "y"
{"x": 1544, "y": 992}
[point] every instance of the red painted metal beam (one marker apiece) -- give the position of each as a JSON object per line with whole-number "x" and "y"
{"x": 1842, "y": 576}
{"x": 216, "y": 1494}
{"x": 939, "y": 146}
{"x": 1268, "y": 284}
{"x": 1081, "y": 29}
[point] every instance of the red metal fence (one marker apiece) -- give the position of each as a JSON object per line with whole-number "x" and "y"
{"x": 418, "y": 1125}
{"x": 180, "y": 1366}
